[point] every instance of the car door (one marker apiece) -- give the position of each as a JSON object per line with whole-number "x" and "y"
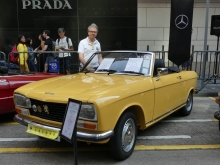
{"x": 4, "y": 92}
{"x": 167, "y": 93}
{"x": 186, "y": 82}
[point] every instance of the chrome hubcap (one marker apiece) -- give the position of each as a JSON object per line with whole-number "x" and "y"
{"x": 189, "y": 103}
{"x": 128, "y": 135}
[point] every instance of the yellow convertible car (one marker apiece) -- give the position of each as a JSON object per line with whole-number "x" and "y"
{"x": 121, "y": 92}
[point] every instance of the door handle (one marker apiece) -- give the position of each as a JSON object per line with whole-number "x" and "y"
{"x": 179, "y": 77}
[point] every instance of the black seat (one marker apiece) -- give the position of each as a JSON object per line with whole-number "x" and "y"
{"x": 159, "y": 63}
{"x": 3, "y": 70}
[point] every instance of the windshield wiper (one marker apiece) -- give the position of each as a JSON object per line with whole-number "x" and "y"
{"x": 107, "y": 70}
{"x": 132, "y": 72}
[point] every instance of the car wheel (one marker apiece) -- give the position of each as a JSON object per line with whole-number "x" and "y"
{"x": 186, "y": 110}
{"x": 124, "y": 139}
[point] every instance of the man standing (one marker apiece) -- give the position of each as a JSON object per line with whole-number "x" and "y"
{"x": 64, "y": 44}
{"x": 89, "y": 46}
{"x": 48, "y": 46}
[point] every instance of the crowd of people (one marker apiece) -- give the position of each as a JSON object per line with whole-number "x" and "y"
{"x": 37, "y": 60}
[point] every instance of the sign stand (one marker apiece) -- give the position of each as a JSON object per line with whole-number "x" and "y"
{"x": 75, "y": 147}
{"x": 69, "y": 127}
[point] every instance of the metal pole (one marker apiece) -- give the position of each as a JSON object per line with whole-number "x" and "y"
{"x": 78, "y": 20}
{"x": 205, "y": 41}
{"x": 75, "y": 146}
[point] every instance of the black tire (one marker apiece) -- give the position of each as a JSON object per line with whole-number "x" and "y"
{"x": 125, "y": 133}
{"x": 186, "y": 110}
{"x": 219, "y": 125}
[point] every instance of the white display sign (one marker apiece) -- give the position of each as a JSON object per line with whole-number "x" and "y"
{"x": 134, "y": 64}
{"x": 70, "y": 119}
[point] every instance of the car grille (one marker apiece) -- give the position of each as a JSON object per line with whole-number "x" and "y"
{"x": 53, "y": 111}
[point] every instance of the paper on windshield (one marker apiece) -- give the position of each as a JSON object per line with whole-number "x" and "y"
{"x": 106, "y": 63}
{"x": 134, "y": 64}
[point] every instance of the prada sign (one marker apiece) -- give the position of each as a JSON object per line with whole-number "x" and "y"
{"x": 46, "y": 4}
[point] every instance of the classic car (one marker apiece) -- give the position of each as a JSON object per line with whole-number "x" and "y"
{"x": 13, "y": 79}
{"x": 121, "y": 92}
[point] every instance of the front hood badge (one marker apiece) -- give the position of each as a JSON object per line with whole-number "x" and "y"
{"x": 49, "y": 93}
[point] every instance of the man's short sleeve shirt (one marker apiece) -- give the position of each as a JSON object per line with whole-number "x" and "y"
{"x": 88, "y": 49}
{"x": 63, "y": 42}
{"x": 49, "y": 43}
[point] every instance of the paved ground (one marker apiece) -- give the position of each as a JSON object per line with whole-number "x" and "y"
{"x": 211, "y": 89}
{"x": 192, "y": 139}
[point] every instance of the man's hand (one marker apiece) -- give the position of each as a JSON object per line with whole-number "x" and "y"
{"x": 90, "y": 69}
{"x": 62, "y": 48}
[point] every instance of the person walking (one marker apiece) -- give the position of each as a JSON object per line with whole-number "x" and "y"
{"x": 48, "y": 46}
{"x": 23, "y": 57}
{"x": 64, "y": 44}
{"x": 89, "y": 46}
{"x": 31, "y": 58}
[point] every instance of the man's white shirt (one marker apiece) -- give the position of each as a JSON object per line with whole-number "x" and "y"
{"x": 88, "y": 49}
{"x": 64, "y": 44}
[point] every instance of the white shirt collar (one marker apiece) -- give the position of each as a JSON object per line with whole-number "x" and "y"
{"x": 89, "y": 42}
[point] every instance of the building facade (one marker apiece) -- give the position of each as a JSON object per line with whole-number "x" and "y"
{"x": 117, "y": 20}
{"x": 154, "y": 22}
{"x": 123, "y": 25}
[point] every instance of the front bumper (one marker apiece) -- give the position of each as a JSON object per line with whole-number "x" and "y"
{"x": 80, "y": 135}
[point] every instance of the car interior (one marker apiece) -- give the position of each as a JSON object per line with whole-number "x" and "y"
{"x": 159, "y": 63}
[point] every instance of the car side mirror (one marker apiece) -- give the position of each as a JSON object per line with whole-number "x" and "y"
{"x": 161, "y": 71}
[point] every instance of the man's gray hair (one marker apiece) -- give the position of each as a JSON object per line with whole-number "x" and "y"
{"x": 93, "y": 25}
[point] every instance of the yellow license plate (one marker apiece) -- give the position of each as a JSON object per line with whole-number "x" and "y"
{"x": 43, "y": 132}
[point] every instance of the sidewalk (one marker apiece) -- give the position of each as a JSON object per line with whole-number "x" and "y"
{"x": 210, "y": 89}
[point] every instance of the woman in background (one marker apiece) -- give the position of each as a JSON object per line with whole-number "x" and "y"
{"x": 31, "y": 58}
{"x": 40, "y": 58}
{"x": 23, "y": 57}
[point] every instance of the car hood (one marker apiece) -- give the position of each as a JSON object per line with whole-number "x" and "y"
{"x": 79, "y": 86}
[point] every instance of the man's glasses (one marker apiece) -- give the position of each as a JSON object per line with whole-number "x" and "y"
{"x": 93, "y": 31}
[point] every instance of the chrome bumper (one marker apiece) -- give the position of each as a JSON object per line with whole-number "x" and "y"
{"x": 80, "y": 135}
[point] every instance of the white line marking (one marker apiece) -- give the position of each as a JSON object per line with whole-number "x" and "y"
{"x": 21, "y": 139}
{"x": 164, "y": 137}
{"x": 138, "y": 138}
{"x": 187, "y": 121}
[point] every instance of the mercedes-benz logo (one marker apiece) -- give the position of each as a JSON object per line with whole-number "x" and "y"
{"x": 181, "y": 21}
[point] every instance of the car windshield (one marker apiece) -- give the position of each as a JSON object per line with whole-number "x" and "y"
{"x": 129, "y": 63}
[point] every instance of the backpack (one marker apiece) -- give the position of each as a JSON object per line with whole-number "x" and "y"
{"x": 67, "y": 41}
{"x": 13, "y": 57}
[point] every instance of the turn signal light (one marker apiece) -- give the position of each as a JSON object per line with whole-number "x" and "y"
{"x": 18, "y": 110}
{"x": 217, "y": 100}
{"x": 89, "y": 126}
{"x": 22, "y": 111}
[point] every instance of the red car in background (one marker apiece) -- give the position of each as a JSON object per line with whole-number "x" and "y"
{"x": 8, "y": 83}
